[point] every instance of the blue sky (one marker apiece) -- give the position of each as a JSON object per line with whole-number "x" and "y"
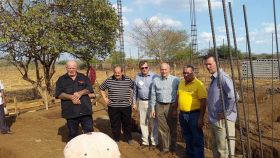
{"x": 175, "y": 13}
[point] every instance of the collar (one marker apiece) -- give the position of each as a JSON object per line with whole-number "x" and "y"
{"x": 114, "y": 78}
{"x": 67, "y": 76}
{"x": 140, "y": 74}
{"x": 164, "y": 78}
{"x": 216, "y": 73}
{"x": 191, "y": 81}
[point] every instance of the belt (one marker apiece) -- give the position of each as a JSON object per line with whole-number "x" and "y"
{"x": 189, "y": 112}
{"x": 164, "y": 103}
{"x": 144, "y": 99}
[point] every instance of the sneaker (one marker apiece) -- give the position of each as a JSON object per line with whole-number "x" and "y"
{"x": 144, "y": 146}
{"x": 7, "y": 132}
{"x": 130, "y": 142}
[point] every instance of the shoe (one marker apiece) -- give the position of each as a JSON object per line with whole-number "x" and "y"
{"x": 163, "y": 153}
{"x": 7, "y": 132}
{"x": 153, "y": 147}
{"x": 130, "y": 142}
{"x": 144, "y": 146}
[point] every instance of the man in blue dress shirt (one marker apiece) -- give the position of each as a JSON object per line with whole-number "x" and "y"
{"x": 215, "y": 110}
{"x": 142, "y": 94}
{"x": 163, "y": 97}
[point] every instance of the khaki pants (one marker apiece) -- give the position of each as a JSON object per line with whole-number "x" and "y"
{"x": 219, "y": 142}
{"x": 145, "y": 120}
{"x": 167, "y": 126}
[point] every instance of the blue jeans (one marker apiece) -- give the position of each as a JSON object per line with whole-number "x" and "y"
{"x": 73, "y": 125}
{"x": 193, "y": 135}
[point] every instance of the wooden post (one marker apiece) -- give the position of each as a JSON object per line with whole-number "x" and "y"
{"x": 16, "y": 108}
{"x": 46, "y": 100}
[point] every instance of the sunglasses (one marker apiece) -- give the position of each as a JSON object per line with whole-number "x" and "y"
{"x": 142, "y": 68}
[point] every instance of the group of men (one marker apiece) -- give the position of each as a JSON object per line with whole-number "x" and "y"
{"x": 158, "y": 98}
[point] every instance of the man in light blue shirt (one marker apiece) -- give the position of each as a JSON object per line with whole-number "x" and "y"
{"x": 215, "y": 109}
{"x": 163, "y": 97}
{"x": 142, "y": 96}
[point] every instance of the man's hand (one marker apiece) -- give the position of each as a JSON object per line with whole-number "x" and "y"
{"x": 153, "y": 114}
{"x": 174, "y": 113}
{"x": 134, "y": 107}
{"x": 220, "y": 116}
{"x": 75, "y": 100}
{"x": 106, "y": 100}
{"x": 200, "y": 122}
{"x": 77, "y": 95}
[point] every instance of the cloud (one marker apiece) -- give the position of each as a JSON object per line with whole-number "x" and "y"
{"x": 206, "y": 36}
{"x": 157, "y": 2}
{"x": 125, "y": 9}
{"x": 125, "y": 21}
{"x": 201, "y": 5}
{"x": 269, "y": 27}
{"x": 162, "y": 21}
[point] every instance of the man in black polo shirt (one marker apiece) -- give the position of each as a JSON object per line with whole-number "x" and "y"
{"x": 119, "y": 100}
{"x": 73, "y": 89}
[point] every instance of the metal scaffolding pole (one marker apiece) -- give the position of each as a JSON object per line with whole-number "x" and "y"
{"x": 121, "y": 30}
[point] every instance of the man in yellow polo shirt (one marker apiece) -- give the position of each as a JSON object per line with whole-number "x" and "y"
{"x": 191, "y": 101}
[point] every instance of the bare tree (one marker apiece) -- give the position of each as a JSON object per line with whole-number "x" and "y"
{"x": 158, "y": 40}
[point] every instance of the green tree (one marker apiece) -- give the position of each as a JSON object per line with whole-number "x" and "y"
{"x": 224, "y": 53}
{"x": 38, "y": 32}
{"x": 92, "y": 25}
{"x": 115, "y": 57}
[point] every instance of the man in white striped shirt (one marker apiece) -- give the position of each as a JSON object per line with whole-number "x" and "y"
{"x": 119, "y": 100}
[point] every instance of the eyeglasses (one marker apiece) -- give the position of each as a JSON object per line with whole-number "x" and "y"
{"x": 142, "y": 68}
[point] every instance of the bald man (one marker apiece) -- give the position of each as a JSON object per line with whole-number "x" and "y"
{"x": 163, "y": 97}
{"x": 73, "y": 89}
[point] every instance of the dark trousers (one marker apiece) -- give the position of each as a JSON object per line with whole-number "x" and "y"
{"x": 193, "y": 135}
{"x": 3, "y": 124}
{"x": 120, "y": 117}
{"x": 73, "y": 125}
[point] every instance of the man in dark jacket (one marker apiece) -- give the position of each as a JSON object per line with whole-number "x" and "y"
{"x": 73, "y": 89}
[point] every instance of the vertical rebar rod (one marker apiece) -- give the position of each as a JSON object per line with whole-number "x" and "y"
{"x": 233, "y": 76}
{"x": 240, "y": 84}
{"x": 276, "y": 38}
{"x": 218, "y": 76}
{"x": 253, "y": 80}
{"x": 272, "y": 99}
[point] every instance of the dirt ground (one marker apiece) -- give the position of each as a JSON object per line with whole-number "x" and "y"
{"x": 43, "y": 134}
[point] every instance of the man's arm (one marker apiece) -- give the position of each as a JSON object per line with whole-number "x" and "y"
{"x": 79, "y": 94}
{"x": 228, "y": 91}
{"x": 3, "y": 97}
{"x": 153, "y": 99}
{"x": 135, "y": 93}
{"x": 104, "y": 96}
{"x": 175, "y": 107}
{"x": 202, "y": 109}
